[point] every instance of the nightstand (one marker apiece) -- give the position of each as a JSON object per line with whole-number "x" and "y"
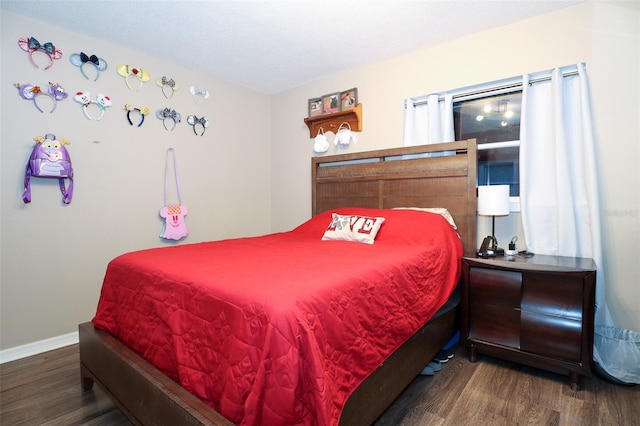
{"x": 537, "y": 311}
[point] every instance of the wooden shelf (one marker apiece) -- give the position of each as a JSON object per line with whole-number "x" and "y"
{"x": 332, "y": 122}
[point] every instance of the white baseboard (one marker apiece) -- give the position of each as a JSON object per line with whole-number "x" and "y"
{"x": 39, "y": 347}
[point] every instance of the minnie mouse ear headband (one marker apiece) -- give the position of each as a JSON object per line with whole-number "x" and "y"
{"x": 31, "y": 92}
{"x": 165, "y": 82}
{"x": 31, "y": 45}
{"x": 142, "y": 111}
{"x": 102, "y": 101}
{"x": 199, "y": 92}
{"x": 81, "y": 59}
{"x": 168, "y": 113}
{"x": 194, "y": 121}
{"x": 126, "y": 71}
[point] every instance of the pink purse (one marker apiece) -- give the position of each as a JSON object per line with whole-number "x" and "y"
{"x": 174, "y": 227}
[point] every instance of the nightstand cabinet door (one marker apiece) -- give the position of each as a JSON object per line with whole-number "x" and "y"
{"x": 551, "y": 318}
{"x": 495, "y": 306}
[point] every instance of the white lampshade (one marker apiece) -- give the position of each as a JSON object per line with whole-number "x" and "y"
{"x": 493, "y": 200}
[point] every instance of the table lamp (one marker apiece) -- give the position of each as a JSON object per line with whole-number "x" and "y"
{"x": 493, "y": 200}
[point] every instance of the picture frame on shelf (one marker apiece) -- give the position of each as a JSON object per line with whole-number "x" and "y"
{"x": 331, "y": 103}
{"x": 349, "y": 99}
{"x": 315, "y": 107}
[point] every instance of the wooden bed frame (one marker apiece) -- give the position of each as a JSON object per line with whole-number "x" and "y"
{"x": 389, "y": 178}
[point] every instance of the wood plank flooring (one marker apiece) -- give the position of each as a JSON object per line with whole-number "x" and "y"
{"x": 45, "y": 390}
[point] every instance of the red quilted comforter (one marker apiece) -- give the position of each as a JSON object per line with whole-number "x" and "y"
{"x": 280, "y": 329}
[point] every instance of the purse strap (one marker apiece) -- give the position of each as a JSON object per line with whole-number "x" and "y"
{"x": 166, "y": 175}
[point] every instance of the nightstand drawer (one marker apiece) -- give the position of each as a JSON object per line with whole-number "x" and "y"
{"x": 495, "y": 287}
{"x": 551, "y": 336}
{"x": 553, "y": 294}
{"x": 495, "y": 324}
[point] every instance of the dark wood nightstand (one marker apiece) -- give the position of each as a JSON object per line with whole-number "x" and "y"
{"x": 537, "y": 311}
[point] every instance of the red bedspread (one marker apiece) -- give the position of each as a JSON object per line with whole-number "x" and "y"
{"x": 280, "y": 329}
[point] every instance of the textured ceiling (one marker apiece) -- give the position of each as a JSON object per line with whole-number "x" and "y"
{"x": 273, "y": 45}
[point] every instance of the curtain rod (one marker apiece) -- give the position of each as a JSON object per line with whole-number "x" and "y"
{"x": 504, "y": 87}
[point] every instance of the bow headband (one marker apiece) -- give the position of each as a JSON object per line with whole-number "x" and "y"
{"x": 193, "y": 120}
{"x": 165, "y": 113}
{"x": 167, "y": 82}
{"x": 30, "y": 44}
{"x": 80, "y": 59}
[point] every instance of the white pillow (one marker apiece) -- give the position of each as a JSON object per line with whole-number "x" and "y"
{"x": 437, "y": 210}
{"x": 361, "y": 229}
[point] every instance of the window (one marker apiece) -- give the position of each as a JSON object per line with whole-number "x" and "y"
{"x": 488, "y": 112}
{"x": 494, "y": 121}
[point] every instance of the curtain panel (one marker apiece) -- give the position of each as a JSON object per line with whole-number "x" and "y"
{"x": 428, "y": 120}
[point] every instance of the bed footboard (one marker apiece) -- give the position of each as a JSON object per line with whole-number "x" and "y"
{"x": 141, "y": 391}
{"x": 146, "y": 396}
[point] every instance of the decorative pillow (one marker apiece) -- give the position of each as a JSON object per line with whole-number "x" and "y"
{"x": 362, "y": 229}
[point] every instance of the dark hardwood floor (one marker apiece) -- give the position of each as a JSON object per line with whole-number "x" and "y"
{"x": 45, "y": 390}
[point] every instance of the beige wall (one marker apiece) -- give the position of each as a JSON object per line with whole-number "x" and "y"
{"x": 53, "y": 257}
{"x": 255, "y": 176}
{"x": 605, "y": 36}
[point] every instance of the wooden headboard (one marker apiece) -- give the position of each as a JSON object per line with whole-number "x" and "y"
{"x": 402, "y": 177}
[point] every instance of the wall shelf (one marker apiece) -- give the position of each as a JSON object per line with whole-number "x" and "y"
{"x": 332, "y": 122}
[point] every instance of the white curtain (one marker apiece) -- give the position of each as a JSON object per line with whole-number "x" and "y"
{"x": 559, "y": 198}
{"x": 429, "y": 120}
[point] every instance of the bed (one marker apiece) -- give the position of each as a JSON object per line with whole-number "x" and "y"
{"x": 360, "y": 185}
